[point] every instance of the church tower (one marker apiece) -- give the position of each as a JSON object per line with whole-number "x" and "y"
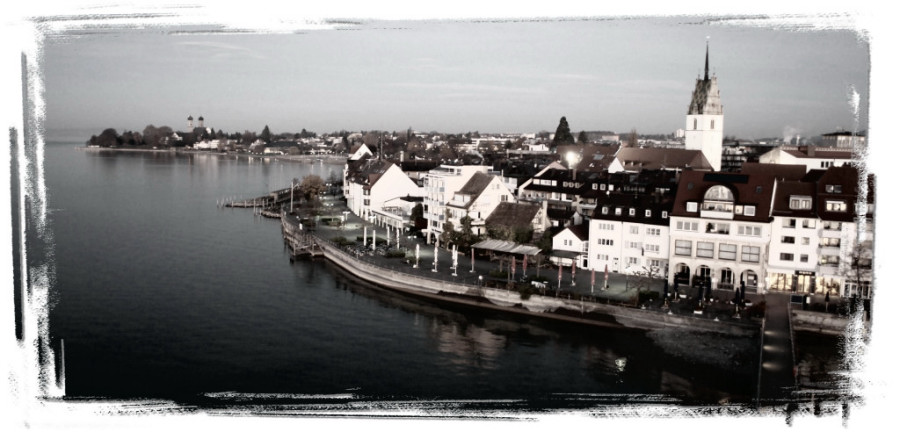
{"x": 190, "y": 122}
{"x": 705, "y": 121}
{"x": 200, "y": 119}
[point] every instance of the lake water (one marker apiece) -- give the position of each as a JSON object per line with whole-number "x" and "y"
{"x": 160, "y": 293}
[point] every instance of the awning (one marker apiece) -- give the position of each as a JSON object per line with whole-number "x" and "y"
{"x": 565, "y": 254}
{"x": 507, "y": 247}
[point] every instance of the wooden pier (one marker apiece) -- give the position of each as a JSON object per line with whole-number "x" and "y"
{"x": 301, "y": 243}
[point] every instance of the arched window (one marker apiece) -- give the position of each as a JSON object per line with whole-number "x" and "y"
{"x": 712, "y": 124}
{"x": 718, "y": 199}
{"x": 695, "y": 124}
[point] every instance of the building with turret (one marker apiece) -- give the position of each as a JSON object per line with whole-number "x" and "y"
{"x": 705, "y": 120}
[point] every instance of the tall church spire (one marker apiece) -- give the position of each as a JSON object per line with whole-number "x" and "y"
{"x": 706, "y": 68}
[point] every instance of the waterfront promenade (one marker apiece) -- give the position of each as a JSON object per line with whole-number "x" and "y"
{"x": 620, "y": 289}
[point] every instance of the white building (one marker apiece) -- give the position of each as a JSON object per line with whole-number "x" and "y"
{"x": 571, "y": 244}
{"x": 629, "y": 233}
{"x": 705, "y": 120}
{"x": 477, "y": 199}
{"x": 720, "y": 230}
{"x": 375, "y": 182}
{"x": 810, "y": 156}
{"x": 438, "y": 187}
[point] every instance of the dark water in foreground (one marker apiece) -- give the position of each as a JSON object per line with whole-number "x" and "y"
{"x": 158, "y": 293}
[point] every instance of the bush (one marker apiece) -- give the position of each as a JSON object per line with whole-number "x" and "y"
{"x": 342, "y": 241}
{"x": 757, "y": 310}
{"x": 395, "y": 254}
{"x": 646, "y": 296}
{"x": 525, "y": 291}
{"x": 499, "y": 274}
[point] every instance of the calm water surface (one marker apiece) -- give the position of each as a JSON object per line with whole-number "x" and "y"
{"x": 159, "y": 293}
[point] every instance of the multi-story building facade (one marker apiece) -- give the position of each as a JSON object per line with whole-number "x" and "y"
{"x": 438, "y": 187}
{"x": 720, "y": 230}
{"x": 629, "y": 228}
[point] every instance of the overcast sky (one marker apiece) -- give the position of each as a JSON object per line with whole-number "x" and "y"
{"x": 522, "y": 75}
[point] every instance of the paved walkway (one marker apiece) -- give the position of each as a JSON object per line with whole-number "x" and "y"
{"x": 621, "y": 287}
{"x": 777, "y": 380}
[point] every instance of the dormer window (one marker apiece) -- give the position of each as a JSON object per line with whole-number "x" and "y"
{"x": 691, "y": 207}
{"x": 800, "y": 203}
{"x": 631, "y": 212}
{"x": 718, "y": 201}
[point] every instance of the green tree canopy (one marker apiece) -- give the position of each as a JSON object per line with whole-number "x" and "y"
{"x": 563, "y": 135}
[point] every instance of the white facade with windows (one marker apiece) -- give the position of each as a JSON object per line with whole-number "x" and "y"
{"x": 438, "y": 186}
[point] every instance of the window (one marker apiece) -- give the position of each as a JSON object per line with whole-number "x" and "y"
{"x": 804, "y": 258}
{"x": 606, "y": 226}
{"x": 750, "y": 254}
{"x": 829, "y": 260}
{"x": 835, "y": 206}
{"x": 631, "y": 212}
{"x": 800, "y": 203}
{"x": 831, "y": 225}
{"x": 634, "y": 245}
{"x": 712, "y": 124}
{"x": 749, "y": 230}
{"x": 833, "y": 189}
{"x": 683, "y": 247}
{"x": 789, "y": 223}
{"x": 749, "y": 210}
{"x": 603, "y": 257}
{"x": 567, "y": 242}
{"x": 634, "y": 229}
{"x": 605, "y": 210}
{"x": 632, "y": 261}
{"x": 718, "y": 228}
{"x": 705, "y": 249}
{"x": 647, "y": 213}
{"x": 830, "y": 242}
{"x": 655, "y": 263}
{"x": 787, "y": 239}
{"x": 504, "y": 198}
{"x": 786, "y": 257}
{"x": 653, "y": 231}
{"x": 808, "y": 223}
{"x": 651, "y": 248}
{"x": 804, "y": 240}
{"x": 686, "y": 226}
{"x": 692, "y": 207}
{"x": 728, "y": 252}
{"x": 594, "y": 186}
{"x": 665, "y": 214}
{"x": 618, "y": 211}
{"x": 695, "y": 124}
{"x": 605, "y": 242}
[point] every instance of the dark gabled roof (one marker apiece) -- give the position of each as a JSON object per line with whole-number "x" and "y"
{"x": 654, "y": 158}
{"x": 560, "y": 214}
{"x": 580, "y": 231}
{"x": 748, "y": 189}
{"x": 594, "y": 157}
{"x": 784, "y": 190}
{"x": 370, "y": 171}
{"x": 656, "y": 203}
{"x": 476, "y": 184}
{"x": 780, "y": 171}
{"x": 847, "y": 177}
{"x": 513, "y": 214}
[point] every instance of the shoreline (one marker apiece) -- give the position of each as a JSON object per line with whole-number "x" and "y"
{"x": 330, "y": 159}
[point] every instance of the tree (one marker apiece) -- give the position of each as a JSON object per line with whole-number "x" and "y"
{"x": 107, "y": 138}
{"x": 563, "y": 135}
{"x": 448, "y": 229}
{"x": 632, "y": 139}
{"x": 265, "y": 135}
{"x": 582, "y": 137}
{"x": 311, "y": 186}
{"x": 641, "y": 280}
{"x": 417, "y": 217}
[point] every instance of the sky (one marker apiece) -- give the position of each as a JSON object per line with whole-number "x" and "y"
{"x": 776, "y": 78}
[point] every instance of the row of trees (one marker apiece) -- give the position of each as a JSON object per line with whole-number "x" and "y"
{"x": 164, "y": 136}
